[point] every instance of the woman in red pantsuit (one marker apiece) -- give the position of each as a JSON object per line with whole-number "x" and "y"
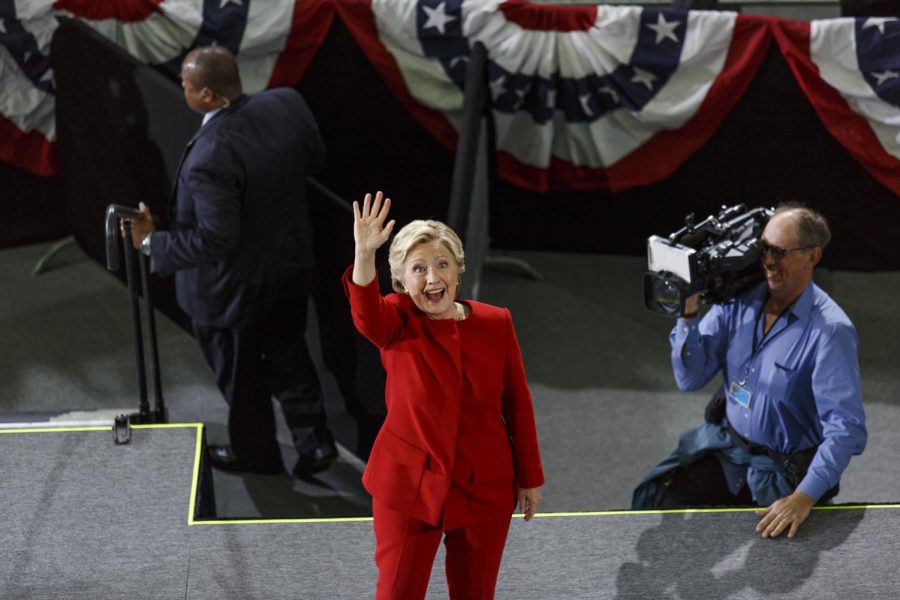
{"x": 458, "y": 449}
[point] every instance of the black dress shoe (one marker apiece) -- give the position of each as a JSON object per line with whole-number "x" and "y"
{"x": 325, "y": 454}
{"x": 225, "y": 459}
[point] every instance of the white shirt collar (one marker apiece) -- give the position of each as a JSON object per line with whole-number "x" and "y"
{"x": 210, "y": 115}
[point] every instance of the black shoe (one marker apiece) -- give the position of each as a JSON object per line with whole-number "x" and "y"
{"x": 325, "y": 454}
{"x": 225, "y": 459}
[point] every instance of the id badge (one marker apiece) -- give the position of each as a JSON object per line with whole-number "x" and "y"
{"x": 740, "y": 394}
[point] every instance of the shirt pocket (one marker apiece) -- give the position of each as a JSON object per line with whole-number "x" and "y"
{"x": 396, "y": 467}
{"x": 783, "y": 376}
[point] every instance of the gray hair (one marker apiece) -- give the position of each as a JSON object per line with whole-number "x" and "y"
{"x": 811, "y": 227}
{"x": 422, "y": 232}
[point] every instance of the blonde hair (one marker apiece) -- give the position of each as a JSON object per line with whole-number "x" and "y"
{"x": 422, "y": 232}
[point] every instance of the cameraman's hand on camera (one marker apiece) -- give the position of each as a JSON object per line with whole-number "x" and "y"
{"x": 141, "y": 226}
{"x": 369, "y": 233}
{"x": 691, "y": 306}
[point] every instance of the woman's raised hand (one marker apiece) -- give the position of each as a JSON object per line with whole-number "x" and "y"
{"x": 369, "y": 229}
{"x": 369, "y": 233}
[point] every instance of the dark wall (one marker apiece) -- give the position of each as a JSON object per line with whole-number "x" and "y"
{"x": 31, "y": 207}
{"x": 870, "y": 8}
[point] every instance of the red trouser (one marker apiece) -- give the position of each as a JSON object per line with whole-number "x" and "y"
{"x": 405, "y": 550}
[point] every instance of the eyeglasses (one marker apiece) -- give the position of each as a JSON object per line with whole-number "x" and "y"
{"x": 777, "y": 252}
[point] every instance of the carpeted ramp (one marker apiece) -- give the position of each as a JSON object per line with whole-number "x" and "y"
{"x": 840, "y": 553}
{"x": 697, "y": 556}
{"x": 84, "y": 518}
{"x": 280, "y": 560}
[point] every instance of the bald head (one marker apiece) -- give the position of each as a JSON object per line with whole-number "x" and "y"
{"x": 213, "y": 67}
{"x": 811, "y": 227}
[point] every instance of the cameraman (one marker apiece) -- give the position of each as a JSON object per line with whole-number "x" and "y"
{"x": 789, "y": 415}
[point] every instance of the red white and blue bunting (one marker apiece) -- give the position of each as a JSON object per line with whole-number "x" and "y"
{"x": 583, "y": 97}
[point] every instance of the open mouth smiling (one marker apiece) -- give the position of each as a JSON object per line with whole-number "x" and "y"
{"x": 435, "y": 295}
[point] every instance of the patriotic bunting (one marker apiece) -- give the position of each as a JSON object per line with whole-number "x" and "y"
{"x": 583, "y": 97}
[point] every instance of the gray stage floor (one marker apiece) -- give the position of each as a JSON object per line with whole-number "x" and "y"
{"x": 840, "y": 554}
{"x": 87, "y": 519}
{"x": 606, "y": 404}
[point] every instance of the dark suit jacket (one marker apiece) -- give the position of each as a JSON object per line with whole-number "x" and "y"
{"x": 239, "y": 216}
{"x": 474, "y": 429}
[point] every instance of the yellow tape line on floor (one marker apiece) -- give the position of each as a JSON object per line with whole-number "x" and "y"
{"x": 196, "y": 477}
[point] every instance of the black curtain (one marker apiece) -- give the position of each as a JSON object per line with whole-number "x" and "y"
{"x": 31, "y": 207}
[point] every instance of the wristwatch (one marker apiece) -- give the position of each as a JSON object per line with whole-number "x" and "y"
{"x": 145, "y": 244}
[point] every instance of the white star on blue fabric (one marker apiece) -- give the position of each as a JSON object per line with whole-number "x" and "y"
{"x": 222, "y": 3}
{"x": 498, "y": 86}
{"x": 437, "y": 17}
{"x": 877, "y": 22}
{"x": 457, "y": 60}
{"x": 520, "y": 97}
{"x": 551, "y": 99}
{"x": 612, "y": 93}
{"x": 645, "y": 77}
{"x": 664, "y": 29}
{"x": 585, "y": 98}
{"x": 884, "y": 76}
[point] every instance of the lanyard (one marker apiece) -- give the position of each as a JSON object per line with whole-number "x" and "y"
{"x": 756, "y": 347}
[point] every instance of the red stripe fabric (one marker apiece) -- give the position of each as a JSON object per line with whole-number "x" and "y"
{"x": 27, "y": 150}
{"x": 849, "y": 128}
{"x": 309, "y": 25}
{"x": 126, "y": 11}
{"x": 539, "y": 17}
{"x": 357, "y": 15}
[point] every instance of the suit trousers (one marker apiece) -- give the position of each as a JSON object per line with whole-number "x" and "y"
{"x": 405, "y": 549}
{"x": 267, "y": 356}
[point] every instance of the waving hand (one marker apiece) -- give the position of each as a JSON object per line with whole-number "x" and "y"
{"x": 369, "y": 232}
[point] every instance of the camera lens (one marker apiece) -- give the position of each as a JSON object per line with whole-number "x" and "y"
{"x": 668, "y": 296}
{"x": 663, "y": 294}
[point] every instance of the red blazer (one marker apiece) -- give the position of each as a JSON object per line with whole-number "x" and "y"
{"x": 472, "y": 427}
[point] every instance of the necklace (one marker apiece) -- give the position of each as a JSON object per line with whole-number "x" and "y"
{"x": 460, "y": 312}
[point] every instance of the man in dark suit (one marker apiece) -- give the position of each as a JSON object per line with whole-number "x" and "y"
{"x": 241, "y": 252}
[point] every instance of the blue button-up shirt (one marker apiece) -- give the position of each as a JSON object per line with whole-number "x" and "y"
{"x": 802, "y": 377}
